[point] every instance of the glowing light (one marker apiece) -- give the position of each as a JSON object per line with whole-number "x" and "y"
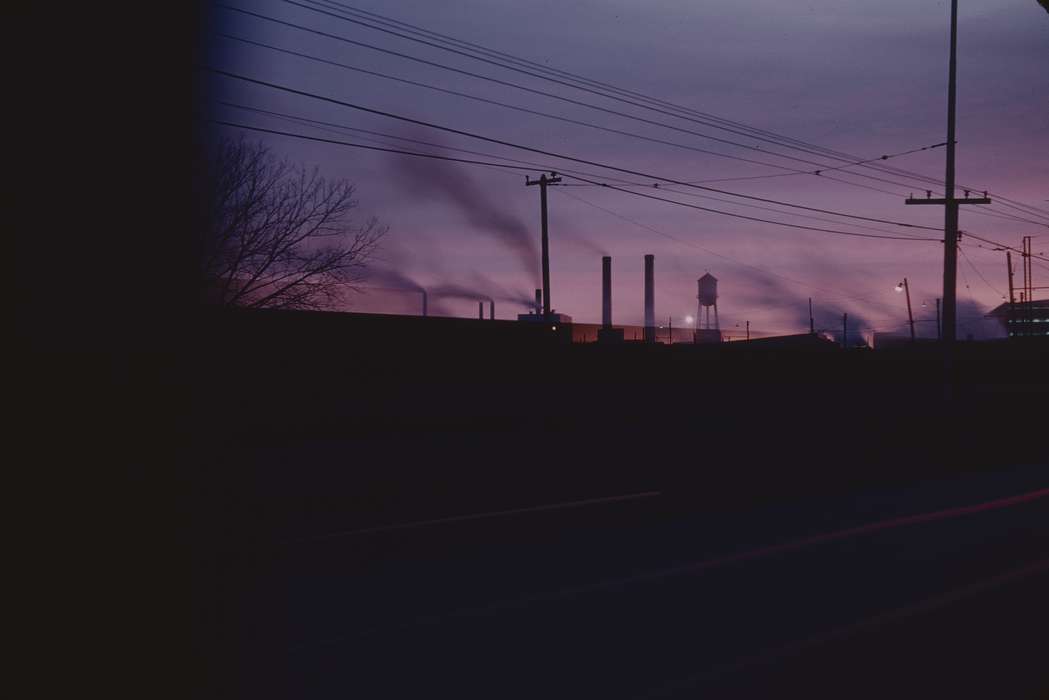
{"x": 899, "y": 287}
{"x": 689, "y": 320}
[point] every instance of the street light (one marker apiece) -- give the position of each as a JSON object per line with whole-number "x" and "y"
{"x": 904, "y": 287}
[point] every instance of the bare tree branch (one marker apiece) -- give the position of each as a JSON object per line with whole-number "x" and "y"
{"x": 280, "y": 236}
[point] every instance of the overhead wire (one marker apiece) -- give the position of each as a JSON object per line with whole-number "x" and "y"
{"x": 334, "y": 127}
{"x": 517, "y": 167}
{"x": 629, "y": 134}
{"x": 517, "y": 108}
{"x": 718, "y": 122}
{"x": 980, "y": 274}
{"x": 574, "y": 159}
{"x": 549, "y": 94}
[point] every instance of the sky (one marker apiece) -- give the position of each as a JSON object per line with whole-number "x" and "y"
{"x": 859, "y": 77}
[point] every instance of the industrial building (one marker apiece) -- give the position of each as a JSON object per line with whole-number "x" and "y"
{"x": 1023, "y": 319}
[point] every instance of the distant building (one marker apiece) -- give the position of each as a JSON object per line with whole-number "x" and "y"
{"x": 1029, "y": 318}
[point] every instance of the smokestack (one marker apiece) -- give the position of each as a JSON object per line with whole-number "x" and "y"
{"x": 491, "y": 309}
{"x": 606, "y": 291}
{"x": 424, "y": 301}
{"x": 480, "y": 311}
{"x": 650, "y": 299}
{"x": 539, "y": 302}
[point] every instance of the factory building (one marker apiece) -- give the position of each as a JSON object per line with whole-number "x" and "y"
{"x": 1023, "y": 319}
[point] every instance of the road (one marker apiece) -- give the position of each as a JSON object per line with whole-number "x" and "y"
{"x": 934, "y": 589}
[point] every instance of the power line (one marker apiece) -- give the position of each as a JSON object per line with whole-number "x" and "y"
{"x": 753, "y": 218}
{"x": 980, "y": 274}
{"x": 1003, "y": 246}
{"x": 517, "y": 108}
{"x": 584, "y": 161}
{"x": 552, "y": 95}
{"x": 1007, "y": 216}
{"x": 370, "y": 148}
{"x": 777, "y": 139}
{"x": 756, "y": 206}
{"x": 544, "y": 166}
{"x": 517, "y": 167}
{"x": 819, "y": 172}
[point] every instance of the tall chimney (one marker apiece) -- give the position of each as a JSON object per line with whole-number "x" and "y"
{"x": 650, "y": 299}
{"x": 539, "y": 302}
{"x": 491, "y": 309}
{"x": 606, "y": 291}
{"x": 424, "y": 301}
{"x": 480, "y": 311}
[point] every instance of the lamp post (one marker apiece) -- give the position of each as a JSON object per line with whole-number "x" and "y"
{"x": 904, "y": 287}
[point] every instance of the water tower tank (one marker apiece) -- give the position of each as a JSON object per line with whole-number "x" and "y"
{"x": 708, "y": 290}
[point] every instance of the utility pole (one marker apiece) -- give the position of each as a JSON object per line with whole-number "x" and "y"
{"x": 812, "y": 323}
{"x": 670, "y": 325}
{"x": 949, "y": 201}
{"x": 1010, "y": 324}
{"x": 939, "y": 335}
{"x": 748, "y": 330}
{"x": 910, "y": 314}
{"x": 543, "y": 181}
{"x": 1028, "y": 287}
{"x": 844, "y": 331}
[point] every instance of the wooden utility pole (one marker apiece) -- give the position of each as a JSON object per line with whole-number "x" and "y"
{"x": 748, "y": 330}
{"x": 1010, "y": 324}
{"x": 844, "y": 331}
{"x": 949, "y": 201}
{"x": 939, "y": 335}
{"x": 543, "y": 181}
{"x": 1028, "y": 287}
{"x": 812, "y": 323}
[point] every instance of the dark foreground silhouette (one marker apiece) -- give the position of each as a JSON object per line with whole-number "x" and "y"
{"x": 392, "y": 507}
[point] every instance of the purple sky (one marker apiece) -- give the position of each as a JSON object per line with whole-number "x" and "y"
{"x": 862, "y": 77}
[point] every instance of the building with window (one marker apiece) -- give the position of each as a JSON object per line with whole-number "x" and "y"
{"x": 1026, "y": 319}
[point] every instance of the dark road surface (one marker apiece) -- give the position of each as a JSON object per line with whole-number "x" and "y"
{"x": 623, "y": 597}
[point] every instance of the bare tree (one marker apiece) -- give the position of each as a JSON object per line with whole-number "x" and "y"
{"x": 277, "y": 235}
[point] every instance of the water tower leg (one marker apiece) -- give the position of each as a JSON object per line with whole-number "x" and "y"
{"x": 717, "y": 326}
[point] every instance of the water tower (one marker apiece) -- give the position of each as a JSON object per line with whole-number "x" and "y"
{"x": 708, "y": 297}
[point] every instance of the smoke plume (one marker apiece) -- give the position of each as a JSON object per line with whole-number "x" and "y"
{"x": 444, "y": 181}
